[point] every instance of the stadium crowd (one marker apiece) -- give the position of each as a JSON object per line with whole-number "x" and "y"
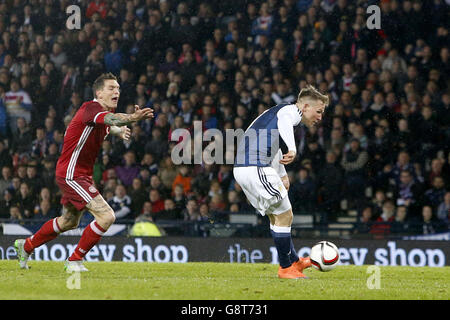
{"x": 382, "y": 149}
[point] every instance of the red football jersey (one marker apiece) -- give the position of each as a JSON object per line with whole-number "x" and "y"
{"x": 82, "y": 141}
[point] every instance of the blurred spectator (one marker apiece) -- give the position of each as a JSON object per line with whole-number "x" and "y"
{"x": 201, "y": 182}
{"x": 427, "y": 123}
{"x": 138, "y": 196}
{"x": 214, "y": 189}
{"x": 114, "y": 60}
{"x": 15, "y": 186}
{"x": 25, "y": 201}
{"x": 32, "y": 178}
{"x": 262, "y": 25}
{"x": 157, "y": 145}
{"x": 155, "y": 183}
{"x": 96, "y": 6}
{"x": 403, "y": 139}
{"x": 409, "y": 193}
{"x": 58, "y": 56}
{"x": 403, "y": 163}
{"x": 156, "y": 200}
{"x": 167, "y": 172}
{"x": 40, "y": 143}
{"x": 44, "y": 95}
{"x": 129, "y": 170}
{"x": 191, "y": 212}
{"x": 22, "y": 138}
{"x": 183, "y": 179}
{"x": 314, "y": 153}
{"x": 15, "y": 215}
{"x": 179, "y": 197}
{"x": 354, "y": 162}
{"x": 302, "y": 192}
{"x": 48, "y": 173}
{"x": 435, "y": 195}
{"x": 217, "y": 203}
{"x": 170, "y": 212}
{"x": 196, "y": 218}
{"x": 100, "y": 168}
{"x": 46, "y": 194}
{"x": 365, "y": 221}
{"x": 382, "y": 225}
{"x": 429, "y": 224}
{"x": 5, "y": 180}
{"x": 233, "y": 198}
{"x": 18, "y": 104}
{"x": 5, "y": 157}
{"x": 435, "y": 170}
{"x": 205, "y": 216}
{"x": 443, "y": 211}
{"x": 44, "y": 210}
{"x": 5, "y": 204}
{"x": 121, "y": 204}
{"x": 148, "y": 161}
{"x": 401, "y": 223}
{"x": 330, "y": 179}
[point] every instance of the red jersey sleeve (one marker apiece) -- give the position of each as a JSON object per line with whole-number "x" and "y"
{"x": 94, "y": 113}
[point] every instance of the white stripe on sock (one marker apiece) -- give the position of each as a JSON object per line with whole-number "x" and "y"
{"x": 95, "y": 229}
{"x": 280, "y": 229}
{"x": 55, "y": 226}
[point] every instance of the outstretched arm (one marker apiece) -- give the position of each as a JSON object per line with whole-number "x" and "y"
{"x": 123, "y": 119}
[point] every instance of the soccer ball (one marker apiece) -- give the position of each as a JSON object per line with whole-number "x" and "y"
{"x": 324, "y": 256}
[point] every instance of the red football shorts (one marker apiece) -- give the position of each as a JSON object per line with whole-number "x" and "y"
{"x": 78, "y": 191}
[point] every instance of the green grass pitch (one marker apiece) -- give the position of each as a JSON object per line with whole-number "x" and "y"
{"x": 217, "y": 281}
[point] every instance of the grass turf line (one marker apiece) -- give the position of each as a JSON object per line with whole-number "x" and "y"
{"x": 217, "y": 281}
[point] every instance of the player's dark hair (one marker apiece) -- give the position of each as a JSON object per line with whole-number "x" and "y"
{"x": 100, "y": 82}
{"x": 310, "y": 92}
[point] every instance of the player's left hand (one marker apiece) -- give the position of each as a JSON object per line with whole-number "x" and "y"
{"x": 288, "y": 157}
{"x": 141, "y": 114}
{"x": 125, "y": 133}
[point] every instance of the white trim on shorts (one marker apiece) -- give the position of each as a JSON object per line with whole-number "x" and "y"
{"x": 263, "y": 188}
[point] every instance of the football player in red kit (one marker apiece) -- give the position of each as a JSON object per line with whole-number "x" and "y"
{"x": 92, "y": 123}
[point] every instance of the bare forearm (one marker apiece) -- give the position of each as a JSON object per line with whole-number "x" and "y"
{"x": 120, "y": 119}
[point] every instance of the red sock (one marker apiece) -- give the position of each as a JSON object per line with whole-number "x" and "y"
{"x": 91, "y": 235}
{"x": 49, "y": 231}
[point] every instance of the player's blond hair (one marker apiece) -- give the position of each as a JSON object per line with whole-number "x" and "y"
{"x": 312, "y": 93}
{"x": 100, "y": 82}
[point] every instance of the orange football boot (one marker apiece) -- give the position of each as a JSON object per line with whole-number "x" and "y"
{"x": 290, "y": 273}
{"x": 302, "y": 263}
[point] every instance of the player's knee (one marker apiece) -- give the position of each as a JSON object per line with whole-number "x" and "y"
{"x": 111, "y": 217}
{"x": 106, "y": 219}
{"x": 68, "y": 223}
{"x": 284, "y": 219}
{"x": 286, "y": 182}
